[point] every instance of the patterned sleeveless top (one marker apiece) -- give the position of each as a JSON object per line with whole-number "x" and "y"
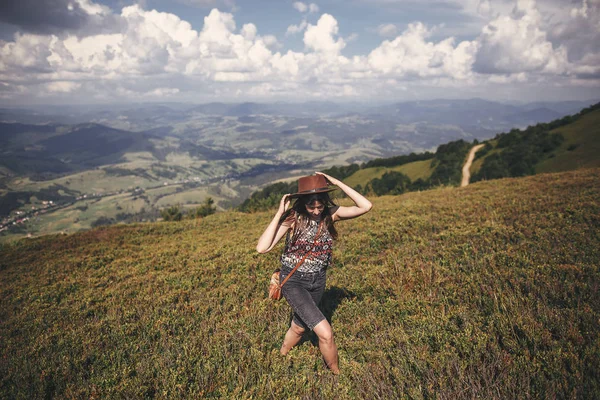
{"x": 320, "y": 255}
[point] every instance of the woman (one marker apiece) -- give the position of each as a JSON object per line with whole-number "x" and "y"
{"x": 309, "y": 229}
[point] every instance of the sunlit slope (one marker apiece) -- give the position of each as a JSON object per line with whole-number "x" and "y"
{"x": 414, "y": 170}
{"x": 487, "y": 291}
{"x": 581, "y": 148}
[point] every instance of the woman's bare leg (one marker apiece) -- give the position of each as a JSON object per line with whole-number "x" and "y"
{"x": 292, "y": 337}
{"x": 327, "y": 345}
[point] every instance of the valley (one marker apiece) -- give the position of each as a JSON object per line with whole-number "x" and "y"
{"x": 69, "y": 169}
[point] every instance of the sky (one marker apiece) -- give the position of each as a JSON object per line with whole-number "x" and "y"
{"x": 113, "y": 51}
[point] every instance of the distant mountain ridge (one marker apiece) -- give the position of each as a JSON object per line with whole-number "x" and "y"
{"x": 408, "y": 111}
{"x": 64, "y": 148}
{"x": 125, "y": 163}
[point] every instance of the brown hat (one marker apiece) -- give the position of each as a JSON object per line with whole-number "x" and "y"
{"x": 312, "y": 184}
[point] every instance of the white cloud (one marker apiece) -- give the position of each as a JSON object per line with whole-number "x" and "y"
{"x": 93, "y": 8}
{"x": 271, "y": 41}
{"x": 300, "y": 6}
{"x": 518, "y": 43}
{"x": 411, "y": 55}
{"x": 303, "y": 7}
{"x": 321, "y": 37}
{"x": 579, "y": 33}
{"x": 387, "y": 30}
{"x": 28, "y": 53}
{"x": 157, "y": 54}
{"x": 294, "y": 29}
{"x": 484, "y": 7}
{"x": 580, "y": 12}
{"x": 249, "y": 31}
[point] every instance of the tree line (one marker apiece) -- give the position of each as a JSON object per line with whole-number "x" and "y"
{"x": 447, "y": 161}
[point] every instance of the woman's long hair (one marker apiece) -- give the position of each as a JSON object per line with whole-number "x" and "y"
{"x": 299, "y": 215}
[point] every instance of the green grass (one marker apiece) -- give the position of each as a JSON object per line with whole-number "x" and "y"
{"x": 584, "y": 135}
{"x": 579, "y": 150}
{"x": 414, "y": 170}
{"x": 487, "y": 291}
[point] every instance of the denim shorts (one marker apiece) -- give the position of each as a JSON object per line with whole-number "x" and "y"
{"x": 303, "y": 292}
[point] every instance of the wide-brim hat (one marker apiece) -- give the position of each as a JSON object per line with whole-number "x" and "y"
{"x": 311, "y": 185}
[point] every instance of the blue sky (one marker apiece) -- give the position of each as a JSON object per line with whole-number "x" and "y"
{"x": 73, "y": 51}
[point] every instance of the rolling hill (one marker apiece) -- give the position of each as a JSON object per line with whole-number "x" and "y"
{"x": 579, "y": 147}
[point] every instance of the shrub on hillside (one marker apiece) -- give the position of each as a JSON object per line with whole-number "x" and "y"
{"x": 204, "y": 210}
{"x": 268, "y": 197}
{"x": 521, "y": 151}
{"x": 392, "y": 182}
{"x": 449, "y": 159}
{"x": 172, "y": 213}
{"x": 484, "y": 150}
{"x": 102, "y": 221}
{"x": 398, "y": 160}
{"x": 343, "y": 171}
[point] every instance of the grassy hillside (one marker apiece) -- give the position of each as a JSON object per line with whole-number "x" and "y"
{"x": 414, "y": 170}
{"x": 561, "y": 145}
{"x": 487, "y": 291}
{"x": 581, "y": 148}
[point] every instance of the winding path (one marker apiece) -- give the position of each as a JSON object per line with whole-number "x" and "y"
{"x": 466, "y": 174}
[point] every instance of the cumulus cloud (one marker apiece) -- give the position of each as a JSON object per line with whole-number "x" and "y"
{"x": 321, "y": 37}
{"x": 27, "y": 54}
{"x": 271, "y": 41}
{"x": 151, "y": 54}
{"x": 518, "y": 43}
{"x": 579, "y": 33}
{"x": 410, "y": 54}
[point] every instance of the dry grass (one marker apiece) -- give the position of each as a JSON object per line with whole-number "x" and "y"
{"x": 487, "y": 291}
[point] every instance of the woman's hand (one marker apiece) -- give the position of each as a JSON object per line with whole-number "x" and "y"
{"x": 362, "y": 205}
{"x": 284, "y": 203}
{"x": 330, "y": 179}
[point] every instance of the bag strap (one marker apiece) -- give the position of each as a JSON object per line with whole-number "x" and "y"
{"x": 305, "y": 255}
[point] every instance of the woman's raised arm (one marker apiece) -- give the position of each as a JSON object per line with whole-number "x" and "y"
{"x": 275, "y": 230}
{"x": 362, "y": 204}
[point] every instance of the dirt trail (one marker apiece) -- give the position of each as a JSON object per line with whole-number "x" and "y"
{"x": 466, "y": 174}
